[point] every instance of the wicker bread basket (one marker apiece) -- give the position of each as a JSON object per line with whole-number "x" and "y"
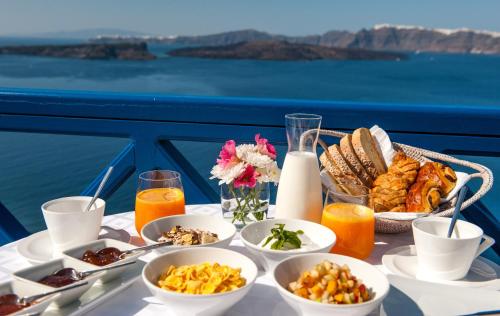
{"x": 423, "y": 155}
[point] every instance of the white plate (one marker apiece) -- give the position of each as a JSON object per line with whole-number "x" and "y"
{"x": 414, "y": 297}
{"x": 37, "y": 248}
{"x": 98, "y": 293}
{"x": 483, "y": 273}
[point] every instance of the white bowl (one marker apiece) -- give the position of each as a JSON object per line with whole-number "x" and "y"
{"x": 67, "y": 223}
{"x": 224, "y": 230}
{"x": 77, "y": 253}
{"x": 192, "y": 304}
{"x": 290, "y": 269}
{"x": 33, "y": 274}
{"x": 21, "y": 289}
{"x": 251, "y": 235}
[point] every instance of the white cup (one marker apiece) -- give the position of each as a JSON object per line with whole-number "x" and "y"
{"x": 69, "y": 225}
{"x": 445, "y": 258}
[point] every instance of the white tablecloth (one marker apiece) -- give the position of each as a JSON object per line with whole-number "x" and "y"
{"x": 263, "y": 299}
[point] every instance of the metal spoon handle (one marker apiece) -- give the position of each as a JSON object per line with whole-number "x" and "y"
{"x": 461, "y": 197}
{"x": 149, "y": 247}
{"x": 83, "y": 274}
{"x": 29, "y": 299}
{"x": 99, "y": 189}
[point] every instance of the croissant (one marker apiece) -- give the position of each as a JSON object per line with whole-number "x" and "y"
{"x": 439, "y": 173}
{"x": 390, "y": 189}
{"x": 424, "y": 196}
{"x": 404, "y": 167}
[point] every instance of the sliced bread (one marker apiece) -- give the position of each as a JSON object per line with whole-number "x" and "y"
{"x": 367, "y": 152}
{"x": 346, "y": 182}
{"x": 342, "y": 164}
{"x": 347, "y": 152}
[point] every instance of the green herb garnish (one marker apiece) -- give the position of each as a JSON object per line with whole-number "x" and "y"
{"x": 284, "y": 238}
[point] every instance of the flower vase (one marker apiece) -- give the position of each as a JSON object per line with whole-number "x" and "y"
{"x": 244, "y": 205}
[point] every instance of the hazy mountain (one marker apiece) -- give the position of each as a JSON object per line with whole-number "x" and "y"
{"x": 82, "y": 34}
{"x": 381, "y": 37}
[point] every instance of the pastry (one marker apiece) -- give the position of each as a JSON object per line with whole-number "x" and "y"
{"x": 424, "y": 196}
{"x": 442, "y": 174}
{"x": 434, "y": 180}
{"x": 390, "y": 190}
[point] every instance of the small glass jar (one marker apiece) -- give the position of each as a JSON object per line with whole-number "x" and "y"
{"x": 244, "y": 205}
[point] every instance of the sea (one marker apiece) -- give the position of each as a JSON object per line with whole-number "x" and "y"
{"x": 35, "y": 168}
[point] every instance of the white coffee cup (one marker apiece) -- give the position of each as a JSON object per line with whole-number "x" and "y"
{"x": 69, "y": 225}
{"x": 445, "y": 258}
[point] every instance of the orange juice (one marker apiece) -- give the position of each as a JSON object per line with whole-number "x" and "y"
{"x": 154, "y": 203}
{"x": 354, "y": 226}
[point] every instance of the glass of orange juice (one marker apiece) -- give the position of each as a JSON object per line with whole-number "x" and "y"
{"x": 354, "y": 225}
{"x": 159, "y": 194}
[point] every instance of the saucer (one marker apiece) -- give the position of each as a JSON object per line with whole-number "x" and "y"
{"x": 403, "y": 261}
{"x": 37, "y": 248}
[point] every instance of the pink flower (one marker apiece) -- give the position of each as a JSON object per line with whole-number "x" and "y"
{"x": 248, "y": 178}
{"x": 228, "y": 155}
{"x": 264, "y": 147}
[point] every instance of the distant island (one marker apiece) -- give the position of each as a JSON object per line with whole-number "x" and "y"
{"x": 282, "y": 50}
{"x": 122, "y": 51}
{"x": 381, "y": 37}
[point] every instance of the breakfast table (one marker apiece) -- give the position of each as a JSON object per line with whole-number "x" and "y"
{"x": 263, "y": 299}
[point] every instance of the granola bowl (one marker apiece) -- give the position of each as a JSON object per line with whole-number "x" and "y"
{"x": 154, "y": 230}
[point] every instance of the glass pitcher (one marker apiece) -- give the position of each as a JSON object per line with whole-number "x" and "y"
{"x": 299, "y": 191}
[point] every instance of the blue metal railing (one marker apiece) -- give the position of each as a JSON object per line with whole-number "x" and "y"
{"x": 152, "y": 122}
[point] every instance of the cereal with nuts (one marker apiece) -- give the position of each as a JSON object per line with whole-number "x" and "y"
{"x": 182, "y": 236}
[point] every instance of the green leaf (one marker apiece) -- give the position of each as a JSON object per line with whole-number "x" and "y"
{"x": 276, "y": 245}
{"x": 284, "y": 237}
{"x": 267, "y": 240}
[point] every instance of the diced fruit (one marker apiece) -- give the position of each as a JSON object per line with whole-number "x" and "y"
{"x": 317, "y": 290}
{"x": 339, "y": 297}
{"x": 330, "y": 283}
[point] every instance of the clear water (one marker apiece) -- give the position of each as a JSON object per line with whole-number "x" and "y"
{"x": 35, "y": 168}
{"x": 425, "y": 78}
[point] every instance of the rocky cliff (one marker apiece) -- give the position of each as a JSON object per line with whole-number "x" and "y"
{"x": 282, "y": 50}
{"x": 382, "y": 37}
{"x": 123, "y": 51}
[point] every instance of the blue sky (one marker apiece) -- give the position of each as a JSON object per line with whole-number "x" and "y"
{"x": 170, "y": 17}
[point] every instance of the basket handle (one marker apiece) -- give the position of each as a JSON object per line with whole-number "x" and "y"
{"x": 484, "y": 173}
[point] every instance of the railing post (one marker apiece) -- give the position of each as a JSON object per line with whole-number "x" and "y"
{"x": 153, "y": 155}
{"x": 10, "y": 228}
{"x": 124, "y": 167}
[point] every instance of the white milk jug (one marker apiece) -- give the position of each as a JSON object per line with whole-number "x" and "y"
{"x": 299, "y": 190}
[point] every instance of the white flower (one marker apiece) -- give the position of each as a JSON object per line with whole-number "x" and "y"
{"x": 227, "y": 175}
{"x": 248, "y": 154}
{"x": 271, "y": 173}
{"x": 257, "y": 159}
{"x": 243, "y": 149}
